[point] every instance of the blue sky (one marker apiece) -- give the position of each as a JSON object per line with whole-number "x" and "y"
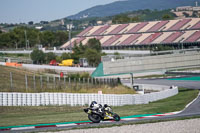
{"x": 16, "y": 11}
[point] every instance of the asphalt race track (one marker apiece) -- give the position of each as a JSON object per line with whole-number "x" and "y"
{"x": 192, "y": 109}
{"x": 180, "y": 83}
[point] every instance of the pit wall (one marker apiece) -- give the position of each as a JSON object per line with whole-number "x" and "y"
{"x": 44, "y": 99}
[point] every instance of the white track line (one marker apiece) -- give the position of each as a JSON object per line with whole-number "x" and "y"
{"x": 66, "y": 125}
{"x": 23, "y": 128}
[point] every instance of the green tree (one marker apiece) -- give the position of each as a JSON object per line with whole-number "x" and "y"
{"x": 60, "y": 38}
{"x": 122, "y": 18}
{"x": 50, "y": 56}
{"x": 91, "y": 51}
{"x": 135, "y": 19}
{"x": 47, "y": 38}
{"x": 5, "y": 40}
{"x": 94, "y": 44}
{"x": 65, "y": 56}
{"x": 33, "y": 37}
{"x": 58, "y": 58}
{"x": 167, "y": 17}
{"x": 93, "y": 57}
{"x": 37, "y": 56}
{"x": 18, "y": 36}
{"x": 78, "y": 52}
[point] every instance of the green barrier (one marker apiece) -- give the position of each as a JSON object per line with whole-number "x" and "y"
{"x": 187, "y": 78}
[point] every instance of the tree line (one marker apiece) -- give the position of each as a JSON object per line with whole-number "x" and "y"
{"x": 17, "y": 38}
{"x": 92, "y": 51}
{"x": 142, "y": 15}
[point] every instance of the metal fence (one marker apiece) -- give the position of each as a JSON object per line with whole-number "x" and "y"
{"x": 24, "y": 82}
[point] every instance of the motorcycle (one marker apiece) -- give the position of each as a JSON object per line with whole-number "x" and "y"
{"x": 101, "y": 114}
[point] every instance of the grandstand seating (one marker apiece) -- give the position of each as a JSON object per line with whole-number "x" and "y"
{"x": 100, "y": 30}
{"x": 143, "y": 33}
{"x": 118, "y": 29}
{"x": 130, "y": 39}
{"x": 141, "y": 38}
{"x": 105, "y": 38}
{"x": 111, "y": 40}
{"x": 137, "y": 27}
{"x": 151, "y": 38}
{"x": 99, "y": 37}
{"x": 85, "y": 31}
{"x": 121, "y": 39}
{"x": 168, "y": 25}
{"x": 130, "y": 26}
{"x": 194, "y": 37}
{"x": 196, "y": 26}
{"x": 77, "y": 41}
{"x": 148, "y": 26}
{"x": 157, "y": 26}
{"x": 172, "y": 37}
{"x": 179, "y": 24}
{"x": 162, "y": 37}
{"x": 184, "y": 36}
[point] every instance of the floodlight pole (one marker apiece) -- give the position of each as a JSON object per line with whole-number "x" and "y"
{"x": 69, "y": 26}
{"x": 25, "y": 39}
{"x": 70, "y": 39}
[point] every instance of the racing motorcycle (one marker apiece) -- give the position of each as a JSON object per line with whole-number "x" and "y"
{"x": 99, "y": 113}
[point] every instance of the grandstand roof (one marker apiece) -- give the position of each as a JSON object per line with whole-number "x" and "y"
{"x": 142, "y": 33}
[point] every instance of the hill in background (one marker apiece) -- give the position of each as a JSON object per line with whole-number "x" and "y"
{"x": 130, "y": 5}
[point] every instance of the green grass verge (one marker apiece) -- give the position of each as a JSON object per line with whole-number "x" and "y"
{"x": 10, "y": 116}
{"x": 48, "y": 83}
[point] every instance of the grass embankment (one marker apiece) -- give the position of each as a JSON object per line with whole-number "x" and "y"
{"x": 49, "y": 84}
{"x": 52, "y": 114}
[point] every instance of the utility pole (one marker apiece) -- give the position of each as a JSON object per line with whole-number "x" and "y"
{"x": 25, "y": 39}
{"x": 69, "y": 27}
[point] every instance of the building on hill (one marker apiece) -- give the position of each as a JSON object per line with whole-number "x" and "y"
{"x": 187, "y": 11}
{"x": 142, "y": 34}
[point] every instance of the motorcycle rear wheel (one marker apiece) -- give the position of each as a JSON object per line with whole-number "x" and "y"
{"x": 94, "y": 118}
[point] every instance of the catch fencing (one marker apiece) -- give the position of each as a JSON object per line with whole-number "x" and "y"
{"x": 74, "y": 99}
{"x": 26, "y": 82}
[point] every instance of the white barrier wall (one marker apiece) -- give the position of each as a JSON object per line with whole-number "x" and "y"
{"x": 42, "y": 99}
{"x": 136, "y": 65}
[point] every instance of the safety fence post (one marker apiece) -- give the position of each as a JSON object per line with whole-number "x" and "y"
{"x": 41, "y": 84}
{"x": 88, "y": 83}
{"x": 64, "y": 81}
{"x": 26, "y": 82}
{"x": 34, "y": 82}
{"x": 11, "y": 81}
{"x": 47, "y": 81}
{"x": 54, "y": 82}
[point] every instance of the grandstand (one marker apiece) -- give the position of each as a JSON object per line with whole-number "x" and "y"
{"x": 170, "y": 32}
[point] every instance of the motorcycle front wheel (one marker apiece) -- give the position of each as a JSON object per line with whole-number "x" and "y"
{"x": 116, "y": 117}
{"x": 94, "y": 118}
